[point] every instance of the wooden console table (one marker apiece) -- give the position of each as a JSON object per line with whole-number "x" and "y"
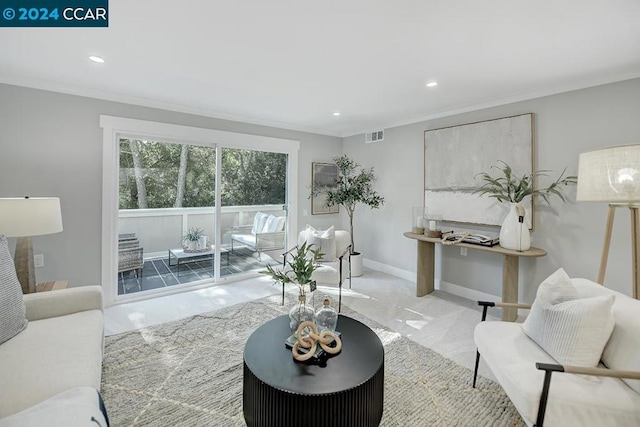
{"x": 426, "y": 270}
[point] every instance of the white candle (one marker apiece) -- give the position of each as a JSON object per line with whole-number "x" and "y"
{"x": 432, "y": 225}
{"x": 418, "y": 221}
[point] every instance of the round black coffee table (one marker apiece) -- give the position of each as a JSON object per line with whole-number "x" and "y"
{"x": 346, "y": 391}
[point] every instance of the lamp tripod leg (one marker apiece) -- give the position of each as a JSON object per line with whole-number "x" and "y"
{"x": 635, "y": 249}
{"x": 607, "y": 243}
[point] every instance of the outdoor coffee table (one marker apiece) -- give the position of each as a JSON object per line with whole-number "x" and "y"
{"x": 346, "y": 391}
{"x": 183, "y": 257}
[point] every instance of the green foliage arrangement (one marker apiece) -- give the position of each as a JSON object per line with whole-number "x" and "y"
{"x": 193, "y": 235}
{"x": 352, "y": 188}
{"x": 299, "y": 267}
{"x": 156, "y": 174}
{"x": 510, "y": 188}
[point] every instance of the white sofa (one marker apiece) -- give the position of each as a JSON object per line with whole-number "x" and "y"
{"x": 59, "y": 351}
{"x": 576, "y": 396}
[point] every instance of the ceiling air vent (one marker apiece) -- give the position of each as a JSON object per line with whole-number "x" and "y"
{"x": 375, "y": 136}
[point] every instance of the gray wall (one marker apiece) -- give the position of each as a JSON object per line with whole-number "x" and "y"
{"x": 51, "y": 145}
{"x": 572, "y": 233}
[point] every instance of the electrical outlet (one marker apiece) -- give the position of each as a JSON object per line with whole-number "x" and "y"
{"x": 463, "y": 251}
{"x": 38, "y": 260}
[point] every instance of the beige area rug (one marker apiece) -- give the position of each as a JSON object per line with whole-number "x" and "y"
{"x": 189, "y": 373}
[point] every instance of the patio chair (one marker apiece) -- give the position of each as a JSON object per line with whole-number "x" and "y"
{"x": 130, "y": 254}
{"x": 266, "y": 233}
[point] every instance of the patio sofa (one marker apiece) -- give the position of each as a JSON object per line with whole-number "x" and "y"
{"x": 265, "y": 234}
{"x": 50, "y": 371}
{"x": 546, "y": 391}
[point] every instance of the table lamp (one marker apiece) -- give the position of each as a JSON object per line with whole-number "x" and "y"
{"x": 23, "y": 218}
{"x": 612, "y": 175}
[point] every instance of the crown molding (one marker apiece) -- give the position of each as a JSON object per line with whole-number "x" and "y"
{"x": 153, "y": 103}
{"x": 525, "y": 96}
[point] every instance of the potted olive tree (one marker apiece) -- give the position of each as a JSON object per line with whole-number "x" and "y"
{"x": 354, "y": 186}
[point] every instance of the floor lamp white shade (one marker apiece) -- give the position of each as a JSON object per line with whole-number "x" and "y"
{"x": 23, "y": 217}
{"x": 612, "y": 175}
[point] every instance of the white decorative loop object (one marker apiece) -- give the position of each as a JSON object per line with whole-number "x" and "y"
{"x": 514, "y": 233}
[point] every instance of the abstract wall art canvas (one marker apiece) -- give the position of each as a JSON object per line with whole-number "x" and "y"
{"x": 453, "y": 156}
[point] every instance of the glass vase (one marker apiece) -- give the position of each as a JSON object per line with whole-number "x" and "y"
{"x": 326, "y": 316}
{"x": 300, "y": 313}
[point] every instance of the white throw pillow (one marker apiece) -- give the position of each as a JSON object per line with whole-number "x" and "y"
{"x": 269, "y": 224}
{"x": 572, "y": 330}
{"x": 258, "y": 222}
{"x": 324, "y": 240}
{"x": 13, "y": 314}
{"x": 279, "y": 225}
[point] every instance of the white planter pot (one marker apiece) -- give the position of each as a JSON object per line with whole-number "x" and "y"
{"x": 356, "y": 264}
{"x": 514, "y": 233}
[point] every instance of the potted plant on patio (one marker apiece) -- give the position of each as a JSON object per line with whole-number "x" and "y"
{"x": 298, "y": 269}
{"x": 193, "y": 238}
{"x": 353, "y": 187}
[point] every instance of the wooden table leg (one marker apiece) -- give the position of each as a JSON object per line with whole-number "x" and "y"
{"x": 510, "y": 287}
{"x": 426, "y": 262}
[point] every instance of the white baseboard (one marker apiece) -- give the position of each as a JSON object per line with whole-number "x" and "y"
{"x": 451, "y": 288}
{"x": 394, "y": 271}
{"x": 463, "y": 292}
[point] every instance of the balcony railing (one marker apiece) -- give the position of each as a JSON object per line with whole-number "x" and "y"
{"x": 161, "y": 229}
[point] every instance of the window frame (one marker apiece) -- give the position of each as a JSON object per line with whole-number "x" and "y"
{"x": 115, "y": 128}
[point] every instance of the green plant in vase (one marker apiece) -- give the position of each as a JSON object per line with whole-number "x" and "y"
{"x": 508, "y": 187}
{"x": 513, "y": 189}
{"x": 298, "y": 269}
{"x": 192, "y": 237}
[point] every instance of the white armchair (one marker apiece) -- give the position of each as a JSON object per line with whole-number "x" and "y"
{"x": 335, "y": 266}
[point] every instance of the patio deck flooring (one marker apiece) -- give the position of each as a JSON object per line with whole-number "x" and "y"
{"x": 156, "y": 273}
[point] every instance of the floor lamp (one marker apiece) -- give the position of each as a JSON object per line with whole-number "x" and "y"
{"x": 23, "y": 218}
{"x": 612, "y": 175}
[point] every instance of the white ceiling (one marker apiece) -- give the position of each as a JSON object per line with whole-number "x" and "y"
{"x": 292, "y": 63}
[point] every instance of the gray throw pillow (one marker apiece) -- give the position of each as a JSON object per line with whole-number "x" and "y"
{"x": 13, "y": 313}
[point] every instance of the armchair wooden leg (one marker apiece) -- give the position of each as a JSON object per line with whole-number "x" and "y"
{"x": 340, "y": 297}
{"x": 282, "y": 293}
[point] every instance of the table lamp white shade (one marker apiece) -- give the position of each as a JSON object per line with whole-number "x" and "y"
{"x": 24, "y": 217}
{"x": 33, "y": 216}
{"x": 610, "y": 174}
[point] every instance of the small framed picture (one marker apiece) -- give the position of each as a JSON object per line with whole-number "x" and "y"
{"x": 325, "y": 175}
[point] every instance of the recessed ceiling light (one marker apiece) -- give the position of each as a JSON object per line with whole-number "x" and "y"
{"x": 96, "y": 59}
{"x": 337, "y": 113}
{"x": 432, "y": 84}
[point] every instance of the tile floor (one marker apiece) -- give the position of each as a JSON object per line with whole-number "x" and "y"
{"x": 440, "y": 321}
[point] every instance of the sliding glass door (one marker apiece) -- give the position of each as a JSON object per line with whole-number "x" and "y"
{"x": 253, "y": 221}
{"x": 186, "y": 207}
{"x": 166, "y": 222}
